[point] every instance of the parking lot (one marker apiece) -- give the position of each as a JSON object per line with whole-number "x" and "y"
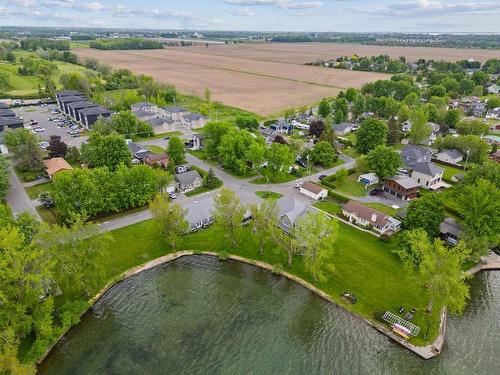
{"x": 41, "y": 114}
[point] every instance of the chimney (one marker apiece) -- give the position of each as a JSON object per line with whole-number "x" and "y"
{"x": 374, "y": 217}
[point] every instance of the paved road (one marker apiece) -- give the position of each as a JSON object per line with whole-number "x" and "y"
{"x": 17, "y": 198}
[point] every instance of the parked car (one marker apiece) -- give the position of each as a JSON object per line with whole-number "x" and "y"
{"x": 298, "y": 184}
{"x": 44, "y": 145}
{"x": 33, "y": 122}
{"x": 376, "y": 192}
{"x": 172, "y": 195}
{"x": 181, "y": 169}
{"x": 322, "y": 176}
{"x": 39, "y": 130}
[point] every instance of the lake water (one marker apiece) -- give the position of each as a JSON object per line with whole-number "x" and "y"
{"x": 198, "y": 315}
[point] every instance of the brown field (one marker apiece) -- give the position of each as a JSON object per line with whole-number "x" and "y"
{"x": 265, "y": 78}
{"x": 263, "y": 87}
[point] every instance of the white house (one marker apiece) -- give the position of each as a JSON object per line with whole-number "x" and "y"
{"x": 428, "y": 175}
{"x": 144, "y": 106}
{"x": 450, "y": 156}
{"x": 493, "y": 89}
{"x": 368, "y": 179}
{"x": 314, "y": 191}
{"x": 367, "y": 216}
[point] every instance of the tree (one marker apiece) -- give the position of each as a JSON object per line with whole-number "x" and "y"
{"x": 361, "y": 165}
{"x": 73, "y": 155}
{"x": 323, "y": 153}
{"x": 170, "y": 218}
{"x": 317, "y": 233}
{"x": 264, "y": 220}
{"x": 452, "y": 117}
{"x": 56, "y": 147}
{"x": 394, "y": 131}
{"x": 106, "y": 150}
{"x": 351, "y": 94}
{"x": 30, "y": 155}
{"x": 176, "y": 150}
{"x": 412, "y": 99}
{"x": 233, "y": 149}
{"x": 125, "y": 123}
{"x": 256, "y": 154}
{"x": 486, "y": 171}
{"x": 475, "y": 127}
{"x": 228, "y": 214}
{"x": 479, "y": 204}
{"x": 425, "y": 213}
{"x": 208, "y": 94}
{"x": 249, "y": 123}
{"x": 214, "y": 132}
{"x": 474, "y": 149}
{"x": 4, "y": 81}
{"x": 324, "y": 108}
{"x": 383, "y": 161}
{"x": 4, "y": 178}
{"x": 371, "y": 133}
{"x": 359, "y": 105}
{"x": 279, "y": 158}
{"x": 210, "y": 181}
{"x": 420, "y": 129}
{"x": 316, "y": 127}
{"x": 440, "y": 272}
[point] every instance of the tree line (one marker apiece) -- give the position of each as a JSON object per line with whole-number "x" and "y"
{"x": 125, "y": 44}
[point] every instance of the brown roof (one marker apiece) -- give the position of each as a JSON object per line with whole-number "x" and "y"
{"x": 313, "y": 188}
{"x": 55, "y": 165}
{"x": 155, "y": 158}
{"x": 366, "y": 213}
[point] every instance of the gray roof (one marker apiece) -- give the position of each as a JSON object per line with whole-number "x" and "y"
{"x": 7, "y": 113}
{"x": 404, "y": 181}
{"x": 72, "y": 98}
{"x": 187, "y": 178}
{"x": 82, "y": 104}
{"x": 283, "y": 123}
{"x": 138, "y": 151}
{"x": 449, "y": 225}
{"x": 174, "y": 109}
{"x": 6, "y": 121}
{"x": 429, "y": 169}
{"x": 158, "y": 121}
{"x": 292, "y": 208}
{"x": 142, "y": 105}
{"x": 194, "y": 117}
{"x": 141, "y": 114}
{"x": 3, "y": 105}
{"x": 198, "y": 210}
{"x": 454, "y": 154}
{"x": 95, "y": 111}
{"x": 61, "y": 94}
{"x": 416, "y": 152}
{"x": 341, "y": 127}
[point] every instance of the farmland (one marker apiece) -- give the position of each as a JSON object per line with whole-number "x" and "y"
{"x": 263, "y": 87}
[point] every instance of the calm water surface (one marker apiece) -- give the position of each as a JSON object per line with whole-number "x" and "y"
{"x": 197, "y": 315}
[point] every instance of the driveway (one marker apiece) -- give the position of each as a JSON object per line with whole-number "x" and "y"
{"x": 17, "y": 198}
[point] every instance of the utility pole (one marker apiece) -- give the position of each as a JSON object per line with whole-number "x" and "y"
{"x": 467, "y": 159}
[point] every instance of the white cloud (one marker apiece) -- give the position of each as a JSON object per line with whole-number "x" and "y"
{"x": 24, "y": 3}
{"x": 241, "y": 12}
{"x": 283, "y": 4}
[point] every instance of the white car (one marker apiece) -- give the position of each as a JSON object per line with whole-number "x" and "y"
{"x": 39, "y": 130}
{"x": 298, "y": 184}
{"x": 44, "y": 145}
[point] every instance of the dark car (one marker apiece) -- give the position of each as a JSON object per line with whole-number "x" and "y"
{"x": 322, "y": 176}
{"x": 376, "y": 192}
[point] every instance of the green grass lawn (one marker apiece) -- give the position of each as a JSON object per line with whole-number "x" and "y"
{"x": 157, "y": 136}
{"x": 34, "y": 191}
{"x": 46, "y": 215}
{"x": 200, "y": 154}
{"x": 329, "y": 205}
{"x": 449, "y": 172}
{"x": 364, "y": 265}
{"x": 351, "y": 152}
{"x": 383, "y": 208}
{"x": 155, "y": 149}
{"x": 351, "y": 186}
{"x": 271, "y": 195}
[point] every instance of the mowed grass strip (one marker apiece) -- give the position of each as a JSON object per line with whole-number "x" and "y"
{"x": 364, "y": 265}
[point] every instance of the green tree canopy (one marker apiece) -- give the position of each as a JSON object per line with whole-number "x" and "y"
{"x": 371, "y": 133}
{"x": 384, "y": 161}
{"x": 324, "y": 154}
{"x": 106, "y": 151}
{"x": 176, "y": 150}
{"x": 426, "y": 213}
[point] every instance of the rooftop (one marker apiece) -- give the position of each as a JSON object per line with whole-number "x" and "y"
{"x": 342, "y": 126}
{"x": 369, "y": 214}
{"x": 404, "y": 181}
{"x": 55, "y": 165}
{"x": 187, "y": 178}
{"x": 174, "y": 109}
{"x": 429, "y": 169}
{"x": 95, "y": 111}
{"x": 313, "y": 188}
{"x": 415, "y": 152}
{"x": 454, "y": 154}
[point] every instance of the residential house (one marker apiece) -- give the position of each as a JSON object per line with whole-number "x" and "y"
{"x": 200, "y": 213}
{"x": 314, "y": 191}
{"x": 10, "y": 123}
{"x": 161, "y": 125}
{"x": 64, "y": 94}
{"x": 289, "y": 211}
{"x": 450, "y": 156}
{"x": 477, "y": 109}
{"x": 195, "y": 120}
{"x": 342, "y": 129}
{"x": 282, "y": 127}
{"x": 471, "y": 71}
{"x": 368, "y": 179}
{"x": 368, "y": 217}
{"x": 493, "y": 114}
{"x": 434, "y": 133}
{"x": 402, "y": 187}
{"x": 451, "y": 231}
{"x": 144, "y": 115}
{"x": 415, "y": 154}
{"x": 160, "y": 160}
{"x": 428, "y": 175}
{"x": 55, "y": 165}
{"x": 90, "y": 115}
{"x": 196, "y": 142}
{"x": 144, "y": 106}
{"x": 492, "y": 139}
{"x": 174, "y": 113}
{"x": 188, "y": 181}
{"x": 138, "y": 152}
{"x": 495, "y": 156}
{"x": 493, "y": 89}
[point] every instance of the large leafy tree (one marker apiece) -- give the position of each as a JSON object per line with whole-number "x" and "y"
{"x": 440, "y": 272}
{"x": 324, "y": 108}
{"x": 256, "y": 154}
{"x": 264, "y": 221}
{"x": 57, "y": 148}
{"x": 323, "y": 153}
{"x": 176, "y": 151}
{"x": 106, "y": 151}
{"x": 25, "y": 147}
{"x": 4, "y": 177}
{"x": 316, "y": 234}
{"x": 420, "y": 129}
{"x": 384, "y": 161}
{"x": 170, "y": 218}
{"x": 214, "y": 132}
{"x": 371, "y": 133}
{"x": 479, "y": 205}
{"x": 228, "y": 214}
{"x": 426, "y": 213}
{"x": 317, "y": 127}
{"x": 279, "y": 158}
{"x": 233, "y": 149}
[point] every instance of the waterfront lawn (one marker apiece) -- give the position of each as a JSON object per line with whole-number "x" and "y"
{"x": 364, "y": 265}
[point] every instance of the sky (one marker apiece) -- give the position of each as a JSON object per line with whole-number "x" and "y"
{"x": 259, "y": 15}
